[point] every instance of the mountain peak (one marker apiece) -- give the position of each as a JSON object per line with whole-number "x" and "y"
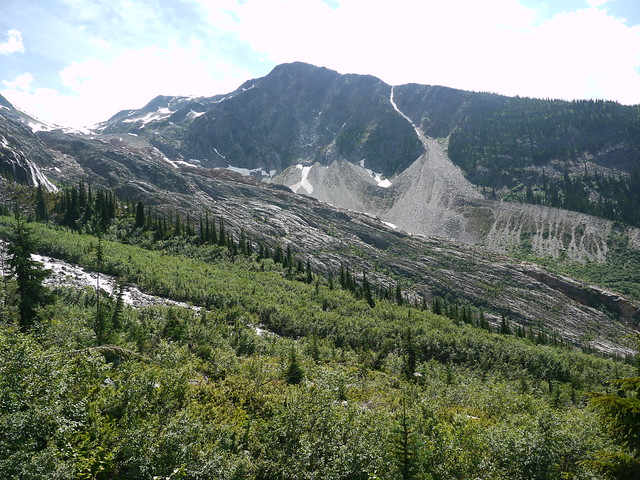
{"x": 5, "y": 103}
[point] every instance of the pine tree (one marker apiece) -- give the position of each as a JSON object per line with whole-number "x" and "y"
{"x": 399, "y": 299}
{"x": 309, "y": 278}
{"x": 102, "y": 325}
{"x": 436, "y": 305}
{"x": 42, "y": 212}
{"x": 366, "y": 290}
{"x": 28, "y": 273}
{"x": 294, "y": 374}
{"x": 505, "y": 329}
{"x": 620, "y": 414}
{"x": 406, "y": 447}
{"x": 140, "y": 215}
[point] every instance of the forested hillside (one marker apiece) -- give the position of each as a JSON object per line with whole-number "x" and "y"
{"x": 581, "y": 155}
{"x": 275, "y": 372}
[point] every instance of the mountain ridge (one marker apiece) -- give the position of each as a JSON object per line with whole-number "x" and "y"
{"x": 458, "y": 229}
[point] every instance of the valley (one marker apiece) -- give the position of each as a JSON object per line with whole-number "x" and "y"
{"x": 318, "y": 275}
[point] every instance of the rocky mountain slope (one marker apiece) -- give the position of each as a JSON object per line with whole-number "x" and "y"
{"x": 388, "y": 151}
{"x": 348, "y": 141}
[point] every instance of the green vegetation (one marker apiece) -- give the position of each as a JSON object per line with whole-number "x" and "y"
{"x": 278, "y": 374}
{"x": 501, "y": 138}
{"x": 620, "y": 273}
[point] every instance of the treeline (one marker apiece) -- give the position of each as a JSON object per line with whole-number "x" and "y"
{"x": 616, "y": 198}
{"x": 499, "y": 141}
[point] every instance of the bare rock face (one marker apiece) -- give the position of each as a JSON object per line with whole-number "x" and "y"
{"x": 22, "y": 156}
{"x": 589, "y": 295}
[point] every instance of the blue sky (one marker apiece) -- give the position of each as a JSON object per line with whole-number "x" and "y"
{"x": 77, "y": 62}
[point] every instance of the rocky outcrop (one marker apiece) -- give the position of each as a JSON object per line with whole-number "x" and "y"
{"x": 589, "y": 295}
{"x": 23, "y": 158}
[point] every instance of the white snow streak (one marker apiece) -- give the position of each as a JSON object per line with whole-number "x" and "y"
{"x": 378, "y": 177}
{"x": 159, "y": 114}
{"x": 304, "y": 182}
{"x": 393, "y": 104}
{"x": 247, "y": 172}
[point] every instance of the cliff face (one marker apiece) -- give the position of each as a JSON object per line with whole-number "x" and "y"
{"x": 588, "y": 295}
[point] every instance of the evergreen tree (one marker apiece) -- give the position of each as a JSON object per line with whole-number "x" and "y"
{"x": 436, "y": 305}
{"x": 42, "y": 212}
{"x": 140, "y": 215}
{"x": 620, "y": 414}
{"x": 102, "y": 325}
{"x": 366, "y": 290}
{"x": 28, "y": 273}
{"x": 505, "y": 329}
{"x": 399, "y": 299}
{"x": 406, "y": 446}
{"x": 294, "y": 374}
{"x": 309, "y": 275}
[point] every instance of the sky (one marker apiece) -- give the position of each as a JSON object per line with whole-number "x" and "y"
{"x": 78, "y": 62}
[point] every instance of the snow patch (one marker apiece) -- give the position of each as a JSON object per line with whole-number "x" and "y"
{"x": 194, "y": 114}
{"x": 304, "y": 182}
{"x": 378, "y": 177}
{"x": 219, "y": 154}
{"x": 41, "y": 127}
{"x": 402, "y": 114}
{"x": 245, "y": 172}
{"x": 165, "y": 158}
{"x": 159, "y": 114}
{"x": 4, "y": 142}
{"x": 392, "y": 225}
{"x": 183, "y": 163}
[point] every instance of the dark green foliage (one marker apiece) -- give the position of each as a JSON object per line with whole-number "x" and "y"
{"x": 42, "y": 209}
{"x": 28, "y": 274}
{"x": 294, "y": 374}
{"x": 140, "y": 215}
{"x": 398, "y": 297}
{"x": 277, "y": 378}
{"x": 366, "y": 290}
{"x": 620, "y": 414}
{"x": 500, "y": 138}
{"x": 505, "y": 328}
{"x": 406, "y": 448}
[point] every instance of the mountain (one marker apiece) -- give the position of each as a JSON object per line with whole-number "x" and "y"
{"x": 210, "y": 318}
{"x": 22, "y": 156}
{"x": 427, "y": 159}
{"x": 389, "y": 199}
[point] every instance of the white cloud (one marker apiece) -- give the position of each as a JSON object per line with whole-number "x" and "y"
{"x": 21, "y": 82}
{"x": 101, "y": 89}
{"x": 499, "y": 46}
{"x": 13, "y": 44}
